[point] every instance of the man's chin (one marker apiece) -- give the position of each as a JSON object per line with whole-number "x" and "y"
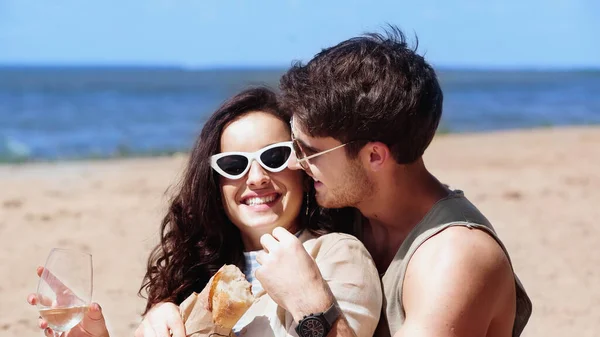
{"x": 327, "y": 203}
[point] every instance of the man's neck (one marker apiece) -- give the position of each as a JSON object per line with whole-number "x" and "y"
{"x": 398, "y": 206}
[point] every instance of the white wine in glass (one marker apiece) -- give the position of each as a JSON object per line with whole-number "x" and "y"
{"x": 65, "y": 289}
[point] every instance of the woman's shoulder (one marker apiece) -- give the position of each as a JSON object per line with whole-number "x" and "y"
{"x": 335, "y": 237}
{"x": 309, "y": 237}
{"x": 319, "y": 244}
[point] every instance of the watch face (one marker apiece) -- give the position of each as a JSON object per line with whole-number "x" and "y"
{"x": 312, "y": 327}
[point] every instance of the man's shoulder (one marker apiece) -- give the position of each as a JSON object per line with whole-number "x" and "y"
{"x": 462, "y": 277}
{"x": 455, "y": 208}
{"x": 461, "y": 253}
{"x": 468, "y": 242}
{"x": 460, "y": 273}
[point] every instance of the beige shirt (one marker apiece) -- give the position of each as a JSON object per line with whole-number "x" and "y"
{"x": 347, "y": 267}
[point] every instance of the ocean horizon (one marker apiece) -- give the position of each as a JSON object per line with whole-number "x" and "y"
{"x": 64, "y": 112}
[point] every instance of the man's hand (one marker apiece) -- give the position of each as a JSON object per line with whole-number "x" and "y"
{"x": 290, "y": 276}
{"x": 162, "y": 318}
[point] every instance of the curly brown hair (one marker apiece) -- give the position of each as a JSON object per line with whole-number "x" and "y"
{"x": 197, "y": 238}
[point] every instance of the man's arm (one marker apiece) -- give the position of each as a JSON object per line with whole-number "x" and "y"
{"x": 459, "y": 283}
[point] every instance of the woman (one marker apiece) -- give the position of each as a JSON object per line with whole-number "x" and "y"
{"x": 236, "y": 188}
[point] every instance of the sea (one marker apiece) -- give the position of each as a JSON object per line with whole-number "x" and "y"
{"x": 70, "y": 113}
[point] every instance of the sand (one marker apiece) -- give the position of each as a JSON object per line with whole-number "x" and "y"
{"x": 540, "y": 188}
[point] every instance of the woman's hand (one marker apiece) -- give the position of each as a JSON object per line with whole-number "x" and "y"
{"x": 290, "y": 275}
{"x": 162, "y": 318}
{"x": 92, "y": 324}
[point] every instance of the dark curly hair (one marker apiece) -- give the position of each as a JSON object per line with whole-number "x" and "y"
{"x": 368, "y": 88}
{"x": 197, "y": 238}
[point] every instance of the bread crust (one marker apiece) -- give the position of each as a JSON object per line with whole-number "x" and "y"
{"x": 227, "y": 310}
{"x": 213, "y": 288}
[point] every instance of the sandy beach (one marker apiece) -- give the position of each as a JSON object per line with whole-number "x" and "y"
{"x": 540, "y": 189}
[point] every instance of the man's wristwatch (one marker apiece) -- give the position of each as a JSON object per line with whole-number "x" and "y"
{"x": 318, "y": 325}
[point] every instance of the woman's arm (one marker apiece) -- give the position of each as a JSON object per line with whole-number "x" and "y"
{"x": 341, "y": 271}
{"x": 350, "y": 273}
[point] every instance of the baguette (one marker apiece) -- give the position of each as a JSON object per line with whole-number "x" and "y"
{"x": 229, "y": 296}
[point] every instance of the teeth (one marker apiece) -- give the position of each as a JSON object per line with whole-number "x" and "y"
{"x": 259, "y": 200}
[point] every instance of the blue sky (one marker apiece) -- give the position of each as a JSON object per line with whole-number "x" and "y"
{"x": 206, "y": 33}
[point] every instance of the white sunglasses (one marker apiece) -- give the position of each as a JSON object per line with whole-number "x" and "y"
{"x": 234, "y": 165}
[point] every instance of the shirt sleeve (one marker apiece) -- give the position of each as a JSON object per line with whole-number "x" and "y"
{"x": 348, "y": 268}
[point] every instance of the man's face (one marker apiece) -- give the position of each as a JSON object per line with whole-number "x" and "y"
{"x": 339, "y": 180}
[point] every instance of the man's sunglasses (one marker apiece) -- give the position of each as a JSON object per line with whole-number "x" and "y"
{"x": 301, "y": 157}
{"x": 234, "y": 165}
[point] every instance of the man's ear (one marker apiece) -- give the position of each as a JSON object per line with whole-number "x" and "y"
{"x": 376, "y": 154}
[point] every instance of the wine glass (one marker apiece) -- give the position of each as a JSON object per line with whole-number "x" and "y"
{"x": 65, "y": 289}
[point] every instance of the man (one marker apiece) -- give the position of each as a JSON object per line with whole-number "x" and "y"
{"x": 364, "y": 112}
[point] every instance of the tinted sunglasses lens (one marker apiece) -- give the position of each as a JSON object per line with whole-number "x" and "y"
{"x": 276, "y": 157}
{"x": 297, "y": 149}
{"x": 233, "y": 164}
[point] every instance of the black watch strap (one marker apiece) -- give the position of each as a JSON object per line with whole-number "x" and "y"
{"x": 332, "y": 314}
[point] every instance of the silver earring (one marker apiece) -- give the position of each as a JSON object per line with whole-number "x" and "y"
{"x": 307, "y": 203}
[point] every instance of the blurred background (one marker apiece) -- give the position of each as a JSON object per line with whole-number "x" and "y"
{"x": 113, "y": 78}
{"x": 100, "y": 100}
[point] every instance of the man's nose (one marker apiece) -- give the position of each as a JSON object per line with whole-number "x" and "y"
{"x": 293, "y": 163}
{"x": 257, "y": 176}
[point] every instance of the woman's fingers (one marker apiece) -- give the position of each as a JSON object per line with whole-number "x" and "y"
{"x": 32, "y": 299}
{"x": 42, "y": 323}
{"x": 269, "y": 243}
{"x": 35, "y": 299}
{"x": 261, "y": 257}
{"x": 55, "y": 284}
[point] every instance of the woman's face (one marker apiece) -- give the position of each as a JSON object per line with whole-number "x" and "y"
{"x": 260, "y": 200}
